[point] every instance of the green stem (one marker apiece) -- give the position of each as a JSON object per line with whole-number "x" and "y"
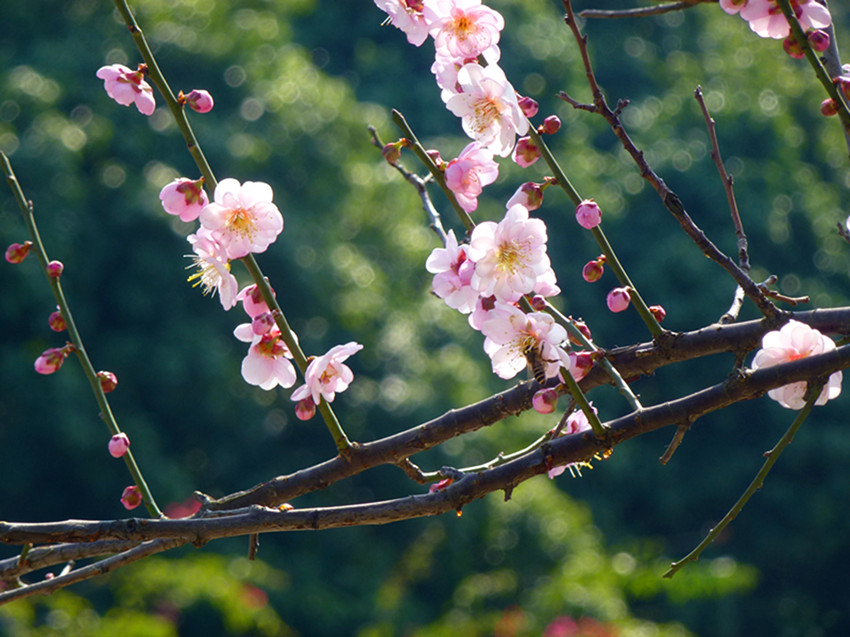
{"x": 813, "y": 390}
{"x": 610, "y": 256}
{"x": 174, "y": 106}
{"x": 343, "y": 444}
{"x": 74, "y": 334}
{"x": 438, "y": 175}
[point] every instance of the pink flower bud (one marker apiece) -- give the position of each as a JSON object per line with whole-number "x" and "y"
{"x": 51, "y": 359}
{"x": 618, "y": 299}
{"x": 305, "y": 409}
{"x": 819, "y": 40}
{"x": 118, "y": 445}
{"x": 131, "y": 497}
{"x": 828, "y": 107}
{"x": 108, "y": 381}
{"x": 658, "y": 312}
{"x": 184, "y": 198}
{"x": 17, "y": 252}
{"x": 262, "y": 323}
{"x": 525, "y": 152}
{"x": 56, "y": 321}
{"x": 793, "y": 48}
{"x": 199, "y": 100}
{"x": 439, "y": 486}
{"x": 54, "y": 269}
{"x": 545, "y": 401}
{"x": 843, "y": 84}
{"x": 391, "y": 152}
{"x": 582, "y": 327}
{"x": 588, "y": 214}
{"x": 528, "y": 106}
{"x": 538, "y": 303}
{"x": 528, "y": 194}
{"x": 582, "y": 363}
{"x": 435, "y": 157}
{"x": 550, "y": 125}
{"x": 593, "y": 270}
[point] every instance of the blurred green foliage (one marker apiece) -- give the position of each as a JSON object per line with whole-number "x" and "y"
{"x": 296, "y": 83}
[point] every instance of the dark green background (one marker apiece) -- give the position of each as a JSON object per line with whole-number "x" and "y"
{"x": 296, "y": 83}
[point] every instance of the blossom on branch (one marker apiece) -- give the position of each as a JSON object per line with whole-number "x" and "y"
{"x": 327, "y": 375}
{"x": 767, "y": 20}
{"x": 467, "y": 30}
{"x": 796, "y": 340}
{"x": 577, "y": 422}
{"x": 488, "y": 107}
{"x": 213, "y": 269}
{"x": 452, "y": 272}
{"x": 510, "y": 256}
{"x": 128, "y": 87}
{"x": 414, "y": 17}
{"x": 469, "y": 172}
{"x": 184, "y": 198}
{"x": 242, "y": 218}
{"x": 267, "y": 363}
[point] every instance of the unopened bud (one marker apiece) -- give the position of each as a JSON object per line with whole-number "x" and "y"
{"x": 54, "y": 269}
{"x": 528, "y": 194}
{"x": 528, "y": 106}
{"x": 593, "y": 270}
{"x": 131, "y": 497}
{"x": 435, "y": 157}
{"x": 17, "y": 252}
{"x": 588, "y": 214}
{"x": 828, "y": 107}
{"x": 819, "y": 40}
{"x": 618, "y": 299}
{"x": 51, "y": 359}
{"x": 793, "y": 48}
{"x": 582, "y": 327}
{"x": 658, "y": 312}
{"x": 525, "y": 152}
{"x": 391, "y": 152}
{"x": 582, "y": 363}
{"x": 550, "y": 125}
{"x": 538, "y": 303}
{"x": 305, "y": 409}
{"x": 56, "y": 321}
{"x": 108, "y": 381}
{"x": 545, "y": 401}
{"x": 118, "y": 445}
{"x": 198, "y": 100}
{"x": 262, "y": 323}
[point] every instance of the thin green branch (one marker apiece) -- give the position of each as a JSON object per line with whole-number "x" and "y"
{"x": 106, "y": 414}
{"x": 813, "y": 392}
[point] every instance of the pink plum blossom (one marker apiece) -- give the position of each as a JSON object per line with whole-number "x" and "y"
{"x": 487, "y": 105}
{"x": 267, "y": 363}
{"x": 198, "y": 100}
{"x": 467, "y": 29}
{"x": 414, "y": 17}
{"x": 213, "y": 268}
{"x": 515, "y": 338}
{"x": 732, "y": 6}
{"x": 242, "y": 218}
{"x": 327, "y": 375}
{"x": 184, "y": 198}
{"x": 577, "y": 422}
{"x": 131, "y": 497}
{"x": 545, "y": 400}
{"x": 509, "y": 256}
{"x": 452, "y": 272}
{"x": 767, "y": 20}
{"x": 529, "y": 195}
{"x": 252, "y": 300}
{"x": 469, "y": 172}
{"x": 128, "y": 87}
{"x": 51, "y": 359}
{"x": 118, "y": 445}
{"x": 796, "y": 340}
{"x": 618, "y": 299}
{"x": 525, "y": 152}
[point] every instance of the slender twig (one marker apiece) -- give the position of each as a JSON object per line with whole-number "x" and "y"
{"x": 33, "y": 559}
{"x": 641, "y": 12}
{"x": 669, "y": 198}
{"x": 435, "y": 222}
{"x": 106, "y": 414}
{"x": 812, "y": 392}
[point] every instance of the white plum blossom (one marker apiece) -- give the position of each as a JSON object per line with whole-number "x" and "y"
{"x": 184, "y": 198}
{"x": 267, "y": 363}
{"x": 242, "y": 217}
{"x": 796, "y": 340}
{"x": 452, "y": 272}
{"x": 513, "y": 337}
{"x": 467, "y": 30}
{"x": 327, "y": 375}
{"x": 488, "y": 107}
{"x": 509, "y": 256}
{"x": 414, "y": 17}
{"x": 577, "y": 422}
{"x": 213, "y": 268}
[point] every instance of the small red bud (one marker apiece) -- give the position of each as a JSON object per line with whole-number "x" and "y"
{"x": 305, "y": 409}
{"x": 198, "y": 100}
{"x": 819, "y": 40}
{"x": 550, "y": 126}
{"x": 588, "y": 214}
{"x": 582, "y": 327}
{"x": 538, "y": 303}
{"x": 793, "y": 48}
{"x": 17, "y": 252}
{"x": 131, "y": 497}
{"x": 108, "y": 381}
{"x": 528, "y": 106}
{"x": 593, "y": 270}
{"x": 435, "y": 157}
{"x": 618, "y": 299}
{"x": 391, "y": 152}
{"x": 828, "y": 107}
{"x": 118, "y": 445}
{"x": 54, "y": 269}
{"x": 56, "y": 321}
{"x": 658, "y": 312}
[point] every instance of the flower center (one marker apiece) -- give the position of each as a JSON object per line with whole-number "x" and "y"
{"x": 240, "y": 221}
{"x": 509, "y": 256}
{"x": 486, "y": 112}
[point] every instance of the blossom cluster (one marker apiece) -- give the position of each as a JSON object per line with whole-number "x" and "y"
{"x": 767, "y": 20}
